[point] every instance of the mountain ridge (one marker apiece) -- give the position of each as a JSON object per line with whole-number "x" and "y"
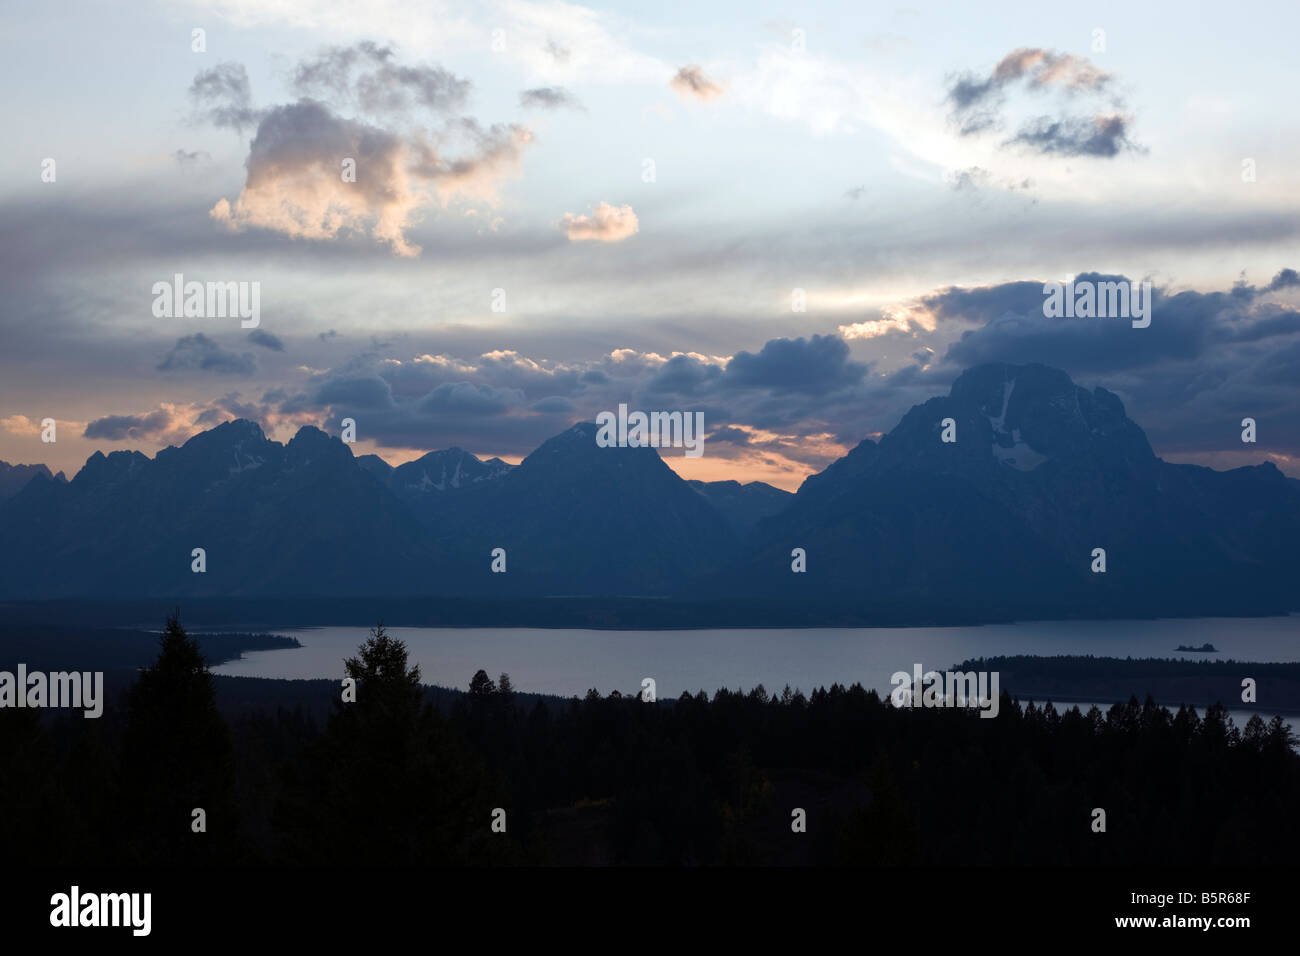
{"x": 1001, "y": 522}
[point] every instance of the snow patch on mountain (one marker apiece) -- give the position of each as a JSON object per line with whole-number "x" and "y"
{"x": 1018, "y": 454}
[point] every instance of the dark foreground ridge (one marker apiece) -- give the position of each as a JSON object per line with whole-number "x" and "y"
{"x": 838, "y": 776}
{"x": 1200, "y": 683}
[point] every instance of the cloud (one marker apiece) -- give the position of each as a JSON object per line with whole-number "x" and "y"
{"x": 815, "y": 365}
{"x": 161, "y": 424}
{"x": 731, "y": 435}
{"x": 899, "y": 320}
{"x": 314, "y": 173}
{"x": 1186, "y": 326}
{"x": 691, "y": 83}
{"x": 606, "y": 224}
{"x": 1103, "y": 136}
{"x": 367, "y": 392}
{"x": 977, "y": 104}
{"x": 223, "y": 96}
{"x": 469, "y": 399}
{"x": 789, "y": 401}
{"x": 554, "y": 404}
{"x": 199, "y": 353}
{"x": 365, "y": 76}
{"x": 971, "y": 178}
{"x": 20, "y": 425}
{"x": 184, "y": 158}
{"x": 684, "y": 375}
{"x": 494, "y": 154}
{"x": 1285, "y": 279}
{"x": 1040, "y": 69}
{"x": 559, "y": 53}
{"x": 175, "y": 423}
{"x": 266, "y": 339}
{"x": 548, "y": 98}
{"x": 294, "y": 183}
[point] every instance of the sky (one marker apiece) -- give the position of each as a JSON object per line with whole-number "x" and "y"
{"x": 799, "y": 219}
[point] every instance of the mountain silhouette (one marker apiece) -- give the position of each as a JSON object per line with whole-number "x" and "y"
{"x": 13, "y": 478}
{"x": 743, "y": 506}
{"x": 1005, "y": 518}
{"x": 1003, "y": 522}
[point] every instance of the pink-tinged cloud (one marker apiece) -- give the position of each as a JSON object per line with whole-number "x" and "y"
{"x": 296, "y": 181}
{"x": 605, "y": 224}
{"x": 691, "y": 83}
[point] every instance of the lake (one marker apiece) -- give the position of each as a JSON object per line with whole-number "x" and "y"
{"x": 571, "y": 661}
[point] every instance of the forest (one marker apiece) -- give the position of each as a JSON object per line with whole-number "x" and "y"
{"x": 409, "y": 777}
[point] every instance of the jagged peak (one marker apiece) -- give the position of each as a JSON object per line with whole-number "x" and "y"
{"x": 237, "y": 428}
{"x": 114, "y": 463}
{"x": 311, "y": 444}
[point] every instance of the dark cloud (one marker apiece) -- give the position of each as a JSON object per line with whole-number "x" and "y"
{"x": 1286, "y": 279}
{"x": 1039, "y": 69}
{"x": 816, "y": 365}
{"x": 549, "y": 98}
{"x": 223, "y": 96}
{"x": 184, "y": 158}
{"x": 468, "y": 399}
{"x": 199, "y": 353}
{"x": 266, "y": 339}
{"x": 556, "y": 404}
{"x": 1103, "y": 136}
{"x": 123, "y": 427}
{"x": 1184, "y": 326}
{"x": 981, "y": 304}
{"x": 230, "y": 406}
{"x": 491, "y": 147}
{"x": 732, "y": 436}
{"x": 505, "y": 403}
{"x": 331, "y": 69}
{"x": 684, "y": 375}
{"x": 369, "y": 392}
{"x": 365, "y": 75}
{"x": 977, "y": 104}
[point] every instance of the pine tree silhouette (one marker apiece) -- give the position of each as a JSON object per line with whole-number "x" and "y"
{"x": 386, "y": 783}
{"x": 177, "y": 756}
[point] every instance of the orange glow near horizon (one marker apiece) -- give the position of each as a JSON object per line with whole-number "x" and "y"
{"x": 773, "y": 469}
{"x": 778, "y": 472}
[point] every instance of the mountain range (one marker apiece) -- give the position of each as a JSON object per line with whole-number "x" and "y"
{"x": 1001, "y": 523}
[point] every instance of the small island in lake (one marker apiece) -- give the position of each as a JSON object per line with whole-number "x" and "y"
{"x": 1206, "y": 648}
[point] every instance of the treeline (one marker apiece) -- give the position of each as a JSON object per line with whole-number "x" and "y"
{"x": 1270, "y": 688}
{"x": 838, "y": 776}
{"x": 1088, "y": 665}
{"x": 46, "y": 647}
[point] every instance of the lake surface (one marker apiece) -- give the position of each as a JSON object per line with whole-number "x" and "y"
{"x": 571, "y": 661}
